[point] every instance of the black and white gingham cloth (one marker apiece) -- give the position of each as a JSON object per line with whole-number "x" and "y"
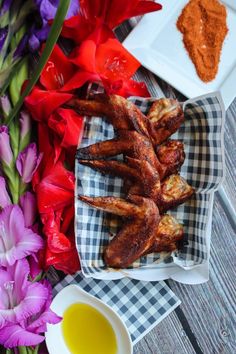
{"x": 141, "y": 305}
{"x": 202, "y": 134}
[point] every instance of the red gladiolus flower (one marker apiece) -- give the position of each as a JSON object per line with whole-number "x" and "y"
{"x": 114, "y": 12}
{"x": 126, "y": 88}
{"x": 67, "y": 262}
{"x": 56, "y": 241}
{"x": 57, "y": 78}
{"x": 68, "y": 126}
{"x": 106, "y": 14}
{"x": 56, "y": 189}
{"x": 110, "y": 59}
{"x": 41, "y": 103}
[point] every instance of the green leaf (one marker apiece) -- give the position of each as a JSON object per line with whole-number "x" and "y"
{"x": 9, "y": 73}
{"x": 51, "y": 41}
{"x": 17, "y": 82}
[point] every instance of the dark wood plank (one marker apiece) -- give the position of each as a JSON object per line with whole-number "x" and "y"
{"x": 166, "y": 338}
{"x": 210, "y": 308}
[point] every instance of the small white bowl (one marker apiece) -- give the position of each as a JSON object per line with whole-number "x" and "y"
{"x": 74, "y": 294}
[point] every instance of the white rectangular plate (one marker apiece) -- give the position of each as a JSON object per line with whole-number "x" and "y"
{"x": 157, "y": 44}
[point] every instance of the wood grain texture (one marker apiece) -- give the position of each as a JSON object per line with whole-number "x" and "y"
{"x": 166, "y": 338}
{"x": 230, "y": 153}
{"x": 210, "y": 308}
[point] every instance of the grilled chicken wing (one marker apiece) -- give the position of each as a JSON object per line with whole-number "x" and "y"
{"x": 171, "y": 155}
{"x": 121, "y": 113}
{"x": 169, "y": 232}
{"x": 112, "y": 167}
{"x": 165, "y": 117}
{"x": 174, "y": 191}
{"x": 138, "y": 232}
{"x": 147, "y": 181}
{"x": 129, "y": 143}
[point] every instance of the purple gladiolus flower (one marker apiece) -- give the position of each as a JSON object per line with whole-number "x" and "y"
{"x": 5, "y": 104}
{"x": 21, "y": 48}
{"x": 47, "y": 9}
{"x": 5, "y": 200}
{"x": 29, "y": 208}
{"x": 5, "y": 6}
{"x": 35, "y": 269}
{"x": 16, "y": 241}
{"x": 27, "y": 162}
{"x": 20, "y": 298}
{"x": 24, "y": 124}
{"x": 24, "y": 307}
{"x": 6, "y": 155}
{"x": 3, "y": 36}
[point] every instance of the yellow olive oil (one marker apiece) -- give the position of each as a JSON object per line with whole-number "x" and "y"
{"x": 87, "y": 331}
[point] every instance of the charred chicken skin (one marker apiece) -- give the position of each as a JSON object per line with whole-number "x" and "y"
{"x": 174, "y": 191}
{"x": 150, "y": 170}
{"x": 138, "y": 232}
{"x": 165, "y": 117}
{"x": 169, "y": 232}
{"x": 122, "y": 114}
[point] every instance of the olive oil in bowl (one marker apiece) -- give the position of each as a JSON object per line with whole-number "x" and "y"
{"x": 87, "y": 331}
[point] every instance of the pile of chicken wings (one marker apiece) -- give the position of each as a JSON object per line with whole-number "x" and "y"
{"x": 149, "y": 169}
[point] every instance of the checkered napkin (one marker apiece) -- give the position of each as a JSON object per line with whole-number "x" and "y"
{"x": 202, "y": 134}
{"x": 141, "y": 305}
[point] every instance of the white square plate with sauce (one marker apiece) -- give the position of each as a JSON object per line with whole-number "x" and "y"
{"x": 157, "y": 44}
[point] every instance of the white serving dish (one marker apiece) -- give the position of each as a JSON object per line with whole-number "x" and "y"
{"x": 157, "y": 44}
{"x": 74, "y": 294}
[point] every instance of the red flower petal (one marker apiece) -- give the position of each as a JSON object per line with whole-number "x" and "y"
{"x": 110, "y": 60}
{"x": 77, "y": 28}
{"x": 121, "y": 10}
{"x": 81, "y": 54}
{"x": 68, "y": 262}
{"x": 126, "y": 88}
{"x": 68, "y": 125}
{"x": 79, "y": 79}
{"x": 56, "y": 190}
{"x": 57, "y": 71}
{"x": 113, "y": 12}
{"x": 114, "y": 62}
{"x": 56, "y": 241}
{"x": 41, "y": 103}
{"x": 67, "y": 219}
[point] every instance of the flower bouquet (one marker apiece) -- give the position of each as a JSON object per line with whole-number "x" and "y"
{"x": 50, "y": 51}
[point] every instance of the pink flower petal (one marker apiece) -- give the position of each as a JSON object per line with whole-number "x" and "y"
{"x": 16, "y": 241}
{"x": 5, "y": 199}
{"x": 27, "y": 162}
{"x": 13, "y": 335}
{"x": 38, "y": 325}
{"x": 33, "y": 301}
{"x": 29, "y": 208}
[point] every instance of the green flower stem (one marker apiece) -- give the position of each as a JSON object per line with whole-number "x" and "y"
{"x": 13, "y": 180}
{"x": 17, "y": 82}
{"x": 36, "y": 349}
{"x": 14, "y": 131}
{"x": 22, "y": 74}
{"x": 22, "y": 188}
{"x": 22, "y": 350}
